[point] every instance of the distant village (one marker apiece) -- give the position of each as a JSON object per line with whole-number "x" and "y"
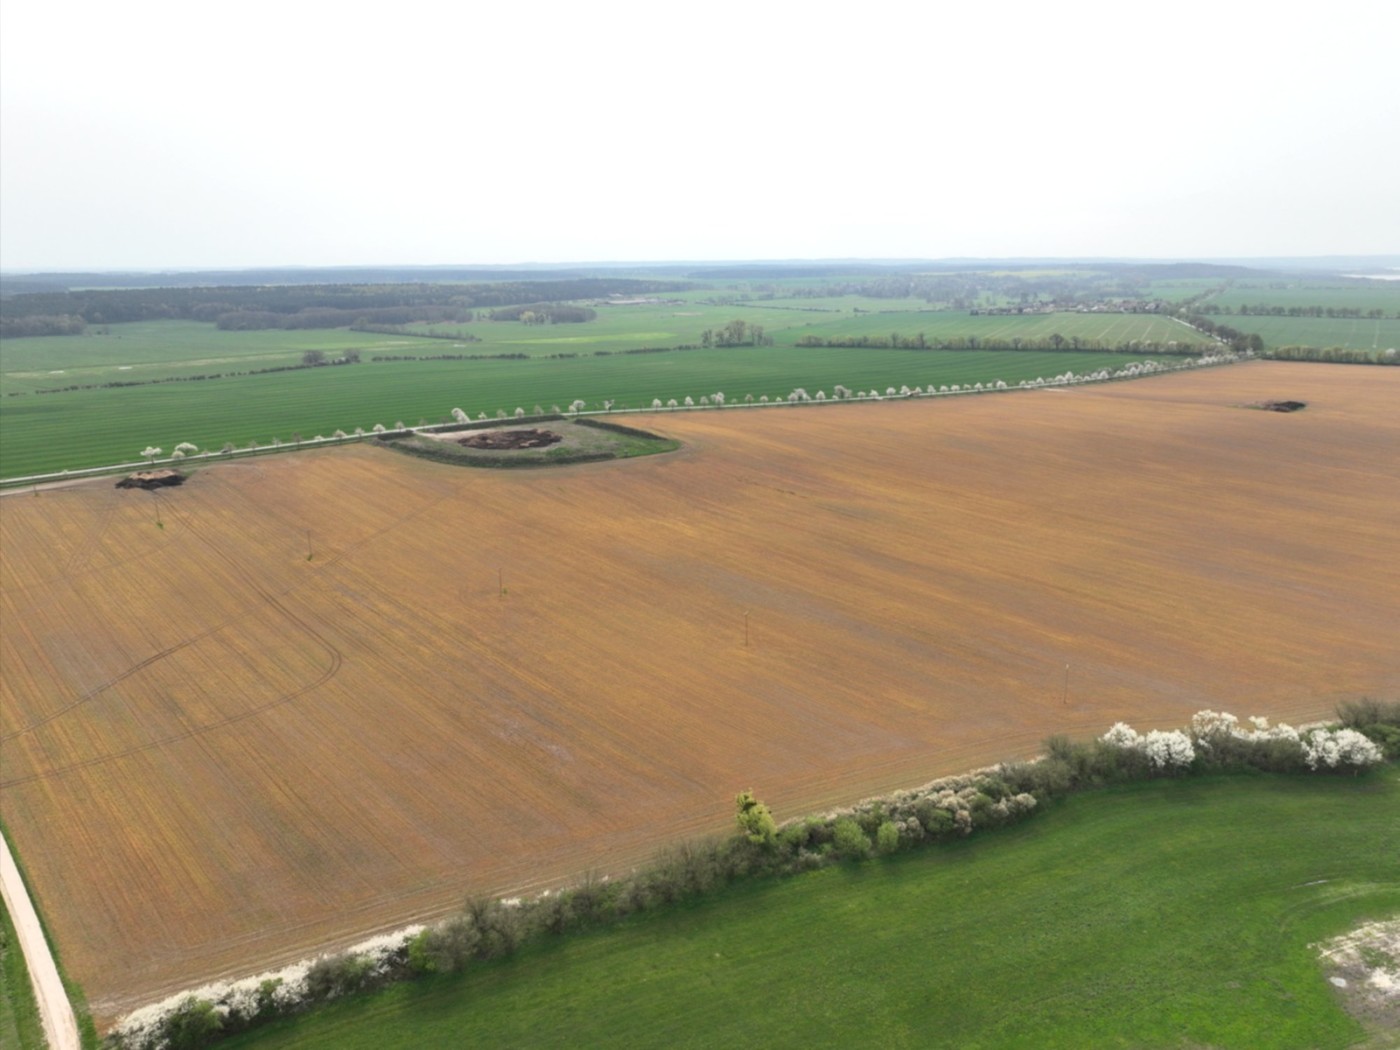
{"x": 1054, "y": 306}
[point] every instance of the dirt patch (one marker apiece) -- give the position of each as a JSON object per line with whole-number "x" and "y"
{"x": 505, "y": 440}
{"x": 1279, "y": 406}
{"x": 1364, "y": 967}
{"x": 151, "y": 479}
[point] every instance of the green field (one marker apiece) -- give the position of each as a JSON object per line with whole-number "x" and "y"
{"x": 1352, "y": 333}
{"x": 1360, "y": 295}
{"x": 84, "y": 428}
{"x": 1111, "y": 329}
{"x": 1162, "y": 914}
{"x": 155, "y": 349}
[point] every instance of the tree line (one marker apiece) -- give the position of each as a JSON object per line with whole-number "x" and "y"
{"x": 1275, "y": 310}
{"x": 544, "y": 313}
{"x": 301, "y": 306}
{"x": 896, "y": 341}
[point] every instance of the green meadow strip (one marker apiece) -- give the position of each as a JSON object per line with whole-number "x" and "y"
{"x": 1169, "y": 913}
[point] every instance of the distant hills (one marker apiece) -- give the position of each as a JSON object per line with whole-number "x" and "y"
{"x": 19, "y": 283}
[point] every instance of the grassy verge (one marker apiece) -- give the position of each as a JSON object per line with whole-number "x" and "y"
{"x": 1159, "y": 914}
{"x": 583, "y": 441}
{"x": 19, "y": 1014}
{"x": 16, "y": 992}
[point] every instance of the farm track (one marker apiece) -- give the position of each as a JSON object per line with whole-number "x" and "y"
{"x": 914, "y": 578}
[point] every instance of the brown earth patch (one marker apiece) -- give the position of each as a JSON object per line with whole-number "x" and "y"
{"x": 237, "y": 755}
{"x": 510, "y": 439}
{"x": 151, "y": 479}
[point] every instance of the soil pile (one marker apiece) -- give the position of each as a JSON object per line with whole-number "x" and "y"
{"x": 510, "y": 439}
{"x": 151, "y": 479}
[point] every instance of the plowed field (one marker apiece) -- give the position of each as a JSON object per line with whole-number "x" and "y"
{"x": 217, "y": 753}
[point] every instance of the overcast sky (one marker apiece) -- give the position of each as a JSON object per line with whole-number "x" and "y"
{"x": 146, "y": 134}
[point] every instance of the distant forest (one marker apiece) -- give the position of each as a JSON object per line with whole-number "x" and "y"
{"x": 311, "y": 306}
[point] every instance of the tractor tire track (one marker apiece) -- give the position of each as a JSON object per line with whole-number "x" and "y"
{"x": 335, "y": 656}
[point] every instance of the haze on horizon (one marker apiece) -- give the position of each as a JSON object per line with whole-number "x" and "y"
{"x": 157, "y": 135}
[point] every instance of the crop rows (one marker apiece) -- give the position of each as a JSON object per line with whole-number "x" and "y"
{"x": 463, "y": 667}
{"x": 72, "y": 430}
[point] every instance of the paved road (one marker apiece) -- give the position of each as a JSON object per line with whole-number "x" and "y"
{"x": 56, "y": 1012}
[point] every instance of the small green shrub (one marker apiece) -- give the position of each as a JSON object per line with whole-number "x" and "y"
{"x": 887, "y": 838}
{"x": 191, "y": 1025}
{"x": 849, "y": 841}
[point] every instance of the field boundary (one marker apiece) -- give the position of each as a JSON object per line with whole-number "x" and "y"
{"x": 797, "y": 398}
{"x": 1365, "y": 737}
{"x": 55, "y": 1011}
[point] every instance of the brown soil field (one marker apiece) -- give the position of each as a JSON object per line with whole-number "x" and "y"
{"x": 217, "y": 754}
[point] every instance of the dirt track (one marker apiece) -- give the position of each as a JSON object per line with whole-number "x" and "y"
{"x": 219, "y": 752}
{"x": 55, "y": 1011}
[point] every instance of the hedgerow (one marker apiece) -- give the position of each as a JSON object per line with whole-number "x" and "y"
{"x": 1367, "y": 733}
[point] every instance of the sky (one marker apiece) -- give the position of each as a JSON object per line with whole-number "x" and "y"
{"x": 155, "y": 135}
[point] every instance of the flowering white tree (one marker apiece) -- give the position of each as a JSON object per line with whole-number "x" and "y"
{"x": 1168, "y": 750}
{"x": 1122, "y": 735}
{"x": 656, "y": 402}
{"x": 378, "y": 428}
{"x": 151, "y": 452}
{"x": 689, "y": 401}
{"x": 186, "y": 448}
{"x": 1339, "y": 749}
{"x": 459, "y": 416}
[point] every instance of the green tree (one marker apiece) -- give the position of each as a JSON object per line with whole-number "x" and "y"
{"x": 754, "y": 819}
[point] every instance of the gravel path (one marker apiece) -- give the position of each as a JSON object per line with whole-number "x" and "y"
{"x": 60, "y": 1026}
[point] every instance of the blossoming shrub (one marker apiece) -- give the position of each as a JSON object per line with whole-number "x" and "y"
{"x": 1344, "y": 749}
{"x": 1377, "y": 720}
{"x": 950, "y": 807}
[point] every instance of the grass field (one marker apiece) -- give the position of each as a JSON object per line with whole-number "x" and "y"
{"x": 1159, "y": 915}
{"x": 915, "y": 576}
{"x": 1357, "y": 295}
{"x": 157, "y": 349}
{"x": 85, "y": 428}
{"x": 1109, "y": 328}
{"x": 1355, "y": 333}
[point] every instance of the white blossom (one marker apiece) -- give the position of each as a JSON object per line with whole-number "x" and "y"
{"x": 1339, "y": 748}
{"x": 1168, "y": 750}
{"x": 1122, "y": 735}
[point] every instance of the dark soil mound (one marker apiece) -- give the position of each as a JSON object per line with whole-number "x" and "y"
{"x": 1281, "y": 406}
{"x": 510, "y": 439}
{"x": 151, "y": 479}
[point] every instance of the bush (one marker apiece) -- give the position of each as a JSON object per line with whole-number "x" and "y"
{"x": 849, "y": 841}
{"x": 887, "y": 838}
{"x": 192, "y": 1024}
{"x": 335, "y": 975}
{"x": 444, "y": 949}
